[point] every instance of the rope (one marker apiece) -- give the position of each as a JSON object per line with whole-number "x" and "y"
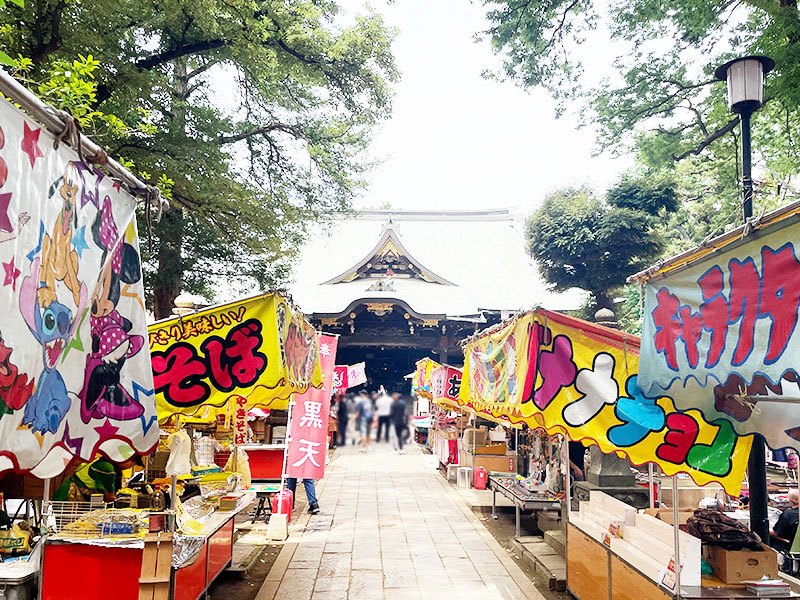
{"x": 72, "y": 135}
{"x": 151, "y": 195}
{"x": 752, "y": 223}
{"x": 742, "y": 399}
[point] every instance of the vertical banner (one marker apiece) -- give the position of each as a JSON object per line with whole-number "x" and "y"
{"x": 75, "y": 373}
{"x": 309, "y": 427}
{"x": 340, "y": 379}
{"x": 239, "y": 420}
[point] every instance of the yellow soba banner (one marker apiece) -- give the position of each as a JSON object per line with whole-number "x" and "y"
{"x": 261, "y": 348}
{"x": 564, "y": 374}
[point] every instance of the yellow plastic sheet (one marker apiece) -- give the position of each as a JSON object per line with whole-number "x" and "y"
{"x": 566, "y": 375}
{"x": 261, "y": 348}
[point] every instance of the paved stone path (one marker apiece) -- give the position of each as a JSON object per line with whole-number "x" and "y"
{"x": 391, "y": 528}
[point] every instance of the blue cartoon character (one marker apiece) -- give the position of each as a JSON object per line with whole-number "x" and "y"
{"x": 53, "y": 327}
{"x": 112, "y": 343}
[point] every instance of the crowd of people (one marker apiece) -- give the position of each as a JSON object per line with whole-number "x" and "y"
{"x": 365, "y": 417}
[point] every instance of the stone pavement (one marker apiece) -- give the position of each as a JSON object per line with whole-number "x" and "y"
{"x": 391, "y": 527}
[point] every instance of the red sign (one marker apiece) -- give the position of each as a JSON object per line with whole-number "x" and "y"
{"x": 340, "y": 383}
{"x": 309, "y": 428}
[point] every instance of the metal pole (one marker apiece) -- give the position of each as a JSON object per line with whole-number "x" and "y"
{"x": 757, "y": 484}
{"x": 747, "y": 176}
{"x": 650, "y": 485}
{"x": 677, "y": 531}
{"x": 756, "y": 464}
{"x": 286, "y": 441}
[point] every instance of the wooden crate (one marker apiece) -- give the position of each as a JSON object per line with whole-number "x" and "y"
{"x": 156, "y": 567}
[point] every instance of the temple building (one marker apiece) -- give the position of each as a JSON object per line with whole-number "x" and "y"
{"x": 401, "y": 285}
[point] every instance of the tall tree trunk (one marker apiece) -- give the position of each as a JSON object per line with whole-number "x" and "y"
{"x": 170, "y": 267}
{"x": 169, "y": 279}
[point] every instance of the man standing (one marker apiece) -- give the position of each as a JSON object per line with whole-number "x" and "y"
{"x": 399, "y": 419}
{"x": 383, "y": 406}
{"x": 342, "y": 415}
{"x": 311, "y": 493}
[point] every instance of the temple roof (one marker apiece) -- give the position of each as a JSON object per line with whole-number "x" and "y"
{"x": 456, "y": 264}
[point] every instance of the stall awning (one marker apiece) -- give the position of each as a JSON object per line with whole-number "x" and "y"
{"x": 261, "y": 348}
{"x": 720, "y": 328}
{"x": 563, "y": 374}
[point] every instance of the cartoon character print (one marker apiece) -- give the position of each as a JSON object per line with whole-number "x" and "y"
{"x": 112, "y": 344}
{"x": 15, "y": 388}
{"x": 53, "y": 327}
{"x": 300, "y": 352}
{"x": 487, "y": 368}
{"x": 59, "y": 258}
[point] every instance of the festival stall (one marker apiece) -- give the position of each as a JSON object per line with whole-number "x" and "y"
{"x": 564, "y": 375}
{"x": 718, "y": 338}
{"x": 261, "y": 349}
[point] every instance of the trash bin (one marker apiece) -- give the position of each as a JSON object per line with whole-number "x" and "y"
{"x": 282, "y": 504}
{"x": 481, "y": 478}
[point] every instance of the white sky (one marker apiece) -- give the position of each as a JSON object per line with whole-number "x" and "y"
{"x": 458, "y": 141}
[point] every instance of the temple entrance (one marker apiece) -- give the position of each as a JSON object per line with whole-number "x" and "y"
{"x": 384, "y": 365}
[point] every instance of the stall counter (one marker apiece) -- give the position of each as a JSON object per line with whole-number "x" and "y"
{"x": 266, "y": 460}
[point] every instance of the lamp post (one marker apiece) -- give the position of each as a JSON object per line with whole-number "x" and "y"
{"x": 745, "y": 79}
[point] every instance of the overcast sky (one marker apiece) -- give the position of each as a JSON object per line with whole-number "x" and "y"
{"x": 458, "y": 141}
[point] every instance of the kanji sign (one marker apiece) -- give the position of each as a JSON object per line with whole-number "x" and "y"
{"x": 582, "y": 379}
{"x": 75, "y": 374}
{"x": 309, "y": 426}
{"x": 722, "y": 331}
{"x": 261, "y": 348}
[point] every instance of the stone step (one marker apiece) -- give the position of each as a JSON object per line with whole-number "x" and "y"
{"x": 556, "y": 539}
{"x": 543, "y": 559}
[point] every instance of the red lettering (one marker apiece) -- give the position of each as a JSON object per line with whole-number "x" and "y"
{"x": 177, "y": 374}
{"x": 714, "y": 312}
{"x": 681, "y": 434}
{"x": 668, "y": 327}
{"x": 780, "y": 297}
{"x": 745, "y": 286}
{"x": 691, "y": 329}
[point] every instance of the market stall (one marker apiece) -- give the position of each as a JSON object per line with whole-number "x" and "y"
{"x": 522, "y": 497}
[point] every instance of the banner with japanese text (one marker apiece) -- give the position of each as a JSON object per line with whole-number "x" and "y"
{"x": 309, "y": 427}
{"x": 581, "y": 379}
{"x": 445, "y": 384}
{"x": 348, "y": 376}
{"x": 261, "y": 348}
{"x": 721, "y": 332}
{"x": 75, "y": 374}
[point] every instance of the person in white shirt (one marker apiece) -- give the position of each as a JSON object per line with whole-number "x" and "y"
{"x": 383, "y": 406}
{"x": 205, "y": 448}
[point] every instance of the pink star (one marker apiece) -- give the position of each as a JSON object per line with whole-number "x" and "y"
{"x": 12, "y": 273}
{"x": 106, "y": 430}
{"x": 30, "y": 143}
{"x": 5, "y": 222}
{"x": 116, "y": 185}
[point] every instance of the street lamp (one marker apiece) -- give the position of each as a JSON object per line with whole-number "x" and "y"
{"x": 745, "y": 78}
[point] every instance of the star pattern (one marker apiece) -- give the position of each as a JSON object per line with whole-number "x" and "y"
{"x": 106, "y": 430}
{"x": 11, "y": 274}
{"x": 36, "y": 250}
{"x": 79, "y": 240}
{"x": 73, "y": 443}
{"x": 30, "y": 143}
{"x": 5, "y": 222}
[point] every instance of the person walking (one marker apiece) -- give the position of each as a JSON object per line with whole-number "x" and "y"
{"x": 364, "y": 414}
{"x": 383, "y": 406}
{"x": 399, "y": 419}
{"x": 342, "y": 414}
{"x": 311, "y": 493}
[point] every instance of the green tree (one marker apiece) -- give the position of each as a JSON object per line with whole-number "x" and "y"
{"x": 661, "y": 99}
{"x": 259, "y": 110}
{"x": 580, "y": 240}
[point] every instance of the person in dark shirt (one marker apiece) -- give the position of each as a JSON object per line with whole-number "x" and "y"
{"x": 786, "y": 527}
{"x": 399, "y": 419}
{"x": 577, "y": 453}
{"x": 342, "y": 415}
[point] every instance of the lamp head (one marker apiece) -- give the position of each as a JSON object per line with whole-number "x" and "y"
{"x": 745, "y": 78}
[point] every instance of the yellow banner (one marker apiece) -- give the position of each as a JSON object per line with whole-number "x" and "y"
{"x": 421, "y": 384}
{"x": 261, "y": 348}
{"x": 566, "y": 375}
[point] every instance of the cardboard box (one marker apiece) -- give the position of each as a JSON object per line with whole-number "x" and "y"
{"x": 666, "y": 515}
{"x": 477, "y": 437}
{"x": 735, "y": 566}
{"x": 500, "y": 463}
{"x": 493, "y": 449}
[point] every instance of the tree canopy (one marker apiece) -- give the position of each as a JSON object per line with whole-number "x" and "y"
{"x": 660, "y": 99}
{"x": 258, "y": 110}
{"x": 581, "y": 240}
